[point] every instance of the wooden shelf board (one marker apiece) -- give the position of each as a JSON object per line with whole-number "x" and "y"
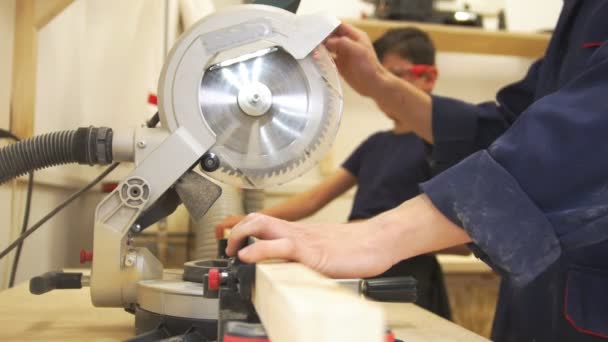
{"x": 465, "y": 39}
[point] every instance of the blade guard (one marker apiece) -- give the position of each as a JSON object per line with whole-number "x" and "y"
{"x": 228, "y": 34}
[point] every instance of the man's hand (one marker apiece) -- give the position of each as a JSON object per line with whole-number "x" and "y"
{"x": 356, "y": 59}
{"x": 358, "y": 64}
{"x": 336, "y": 250}
{"x": 227, "y": 223}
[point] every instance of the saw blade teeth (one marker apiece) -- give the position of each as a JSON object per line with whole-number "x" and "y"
{"x": 283, "y": 141}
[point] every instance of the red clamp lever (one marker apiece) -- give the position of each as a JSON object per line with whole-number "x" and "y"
{"x": 213, "y": 282}
{"x": 85, "y": 256}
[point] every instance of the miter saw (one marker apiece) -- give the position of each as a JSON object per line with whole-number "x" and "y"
{"x": 248, "y": 96}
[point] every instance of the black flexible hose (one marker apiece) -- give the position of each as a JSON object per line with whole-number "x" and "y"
{"x": 90, "y": 145}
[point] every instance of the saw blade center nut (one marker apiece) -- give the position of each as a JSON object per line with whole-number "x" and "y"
{"x": 255, "y": 99}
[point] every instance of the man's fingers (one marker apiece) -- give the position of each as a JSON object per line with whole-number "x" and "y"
{"x": 268, "y": 249}
{"x": 332, "y": 44}
{"x": 347, "y": 30}
{"x": 341, "y": 46}
{"x": 257, "y": 225}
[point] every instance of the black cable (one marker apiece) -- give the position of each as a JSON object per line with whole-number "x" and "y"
{"x": 58, "y": 209}
{"x": 153, "y": 121}
{"x": 9, "y": 135}
{"x": 26, "y": 219}
{"x": 26, "y": 214}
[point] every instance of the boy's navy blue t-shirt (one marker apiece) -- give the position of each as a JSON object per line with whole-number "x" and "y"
{"x": 388, "y": 168}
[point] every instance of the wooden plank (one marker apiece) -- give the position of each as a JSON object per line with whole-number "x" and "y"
{"x": 24, "y": 70}
{"x": 296, "y": 304}
{"x": 465, "y": 39}
{"x": 46, "y": 10}
{"x": 411, "y": 323}
{"x": 463, "y": 264}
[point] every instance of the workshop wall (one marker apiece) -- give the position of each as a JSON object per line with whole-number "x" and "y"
{"x": 99, "y": 59}
{"x": 532, "y": 16}
{"x": 97, "y": 62}
{"x": 7, "y": 24}
{"x": 107, "y": 55}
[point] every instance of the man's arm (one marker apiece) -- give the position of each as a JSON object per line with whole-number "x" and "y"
{"x": 456, "y": 128}
{"x": 538, "y": 190}
{"x": 361, "y": 249}
{"x": 304, "y": 204}
{"x": 460, "y": 128}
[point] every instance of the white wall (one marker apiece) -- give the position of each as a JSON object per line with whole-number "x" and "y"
{"x": 97, "y": 62}
{"x": 53, "y": 246}
{"x": 532, "y": 15}
{"x": 6, "y": 212}
{"x": 7, "y": 24}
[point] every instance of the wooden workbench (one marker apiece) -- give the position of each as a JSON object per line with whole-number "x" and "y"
{"x": 69, "y": 316}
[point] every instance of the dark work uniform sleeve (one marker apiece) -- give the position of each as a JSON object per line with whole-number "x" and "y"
{"x": 542, "y": 187}
{"x": 461, "y": 128}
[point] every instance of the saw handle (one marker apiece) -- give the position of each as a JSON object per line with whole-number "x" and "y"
{"x": 55, "y": 280}
{"x": 390, "y": 289}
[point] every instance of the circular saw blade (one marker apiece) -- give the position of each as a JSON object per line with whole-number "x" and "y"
{"x": 273, "y": 116}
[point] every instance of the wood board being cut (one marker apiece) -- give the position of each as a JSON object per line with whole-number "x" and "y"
{"x": 297, "y": 304}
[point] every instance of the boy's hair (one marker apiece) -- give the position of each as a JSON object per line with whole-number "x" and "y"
{"x": 409, "y": 43}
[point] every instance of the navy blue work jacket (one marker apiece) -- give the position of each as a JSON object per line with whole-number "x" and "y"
{"x": 532, "y": 191}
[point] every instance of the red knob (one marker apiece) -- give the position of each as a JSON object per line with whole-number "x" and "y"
{"x": 213, "y": 279}
{"x": 85, "y": 256}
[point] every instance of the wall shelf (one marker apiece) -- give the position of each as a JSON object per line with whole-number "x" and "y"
{"x": 465, "y": 39}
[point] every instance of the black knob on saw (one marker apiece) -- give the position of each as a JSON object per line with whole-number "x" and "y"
{"x": 390, "y": 289}
{"x": 210, "y": 162}
{"x": 55, "y": 280}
